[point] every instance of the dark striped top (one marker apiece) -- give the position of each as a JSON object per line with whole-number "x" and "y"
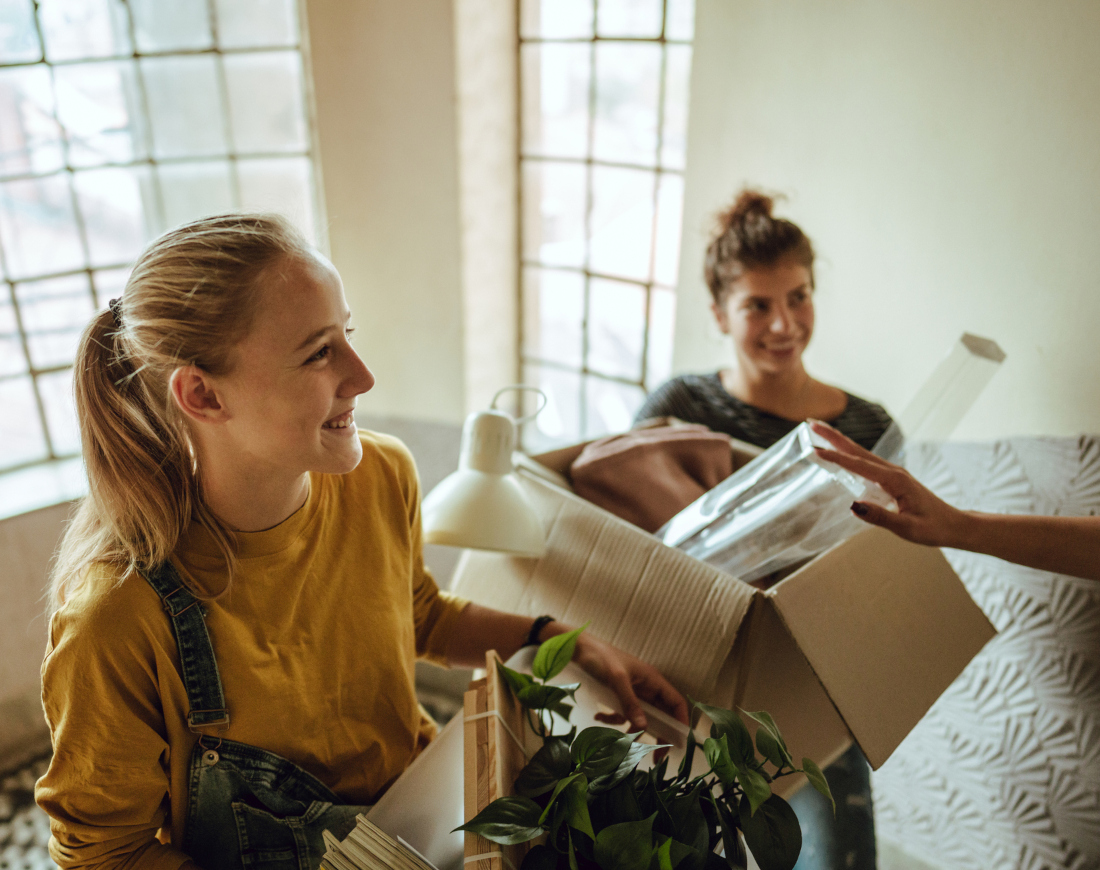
{"x": 703, "y": 399}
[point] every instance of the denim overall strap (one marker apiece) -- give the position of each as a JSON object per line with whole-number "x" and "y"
{"x": 198, "y": 666}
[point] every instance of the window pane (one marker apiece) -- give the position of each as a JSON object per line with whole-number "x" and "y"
{"x": 56, "y": 390}
{"x": 191, "y": 190}
{"x": 180, "y": 24}
{"x": 78, "y": 29}
{"x": 54, "y": 313}
{"x": 185, "y": 106}
{"x": 265, "y": 99}
{"x": 113, "y": 207}
{"x": 680, "y": 23}
{"x": 38, "y": 228}
{"x": 555, "y": 98}
{"x": 12, "y": 360}
{"x": 20, "y": 424}
{"x": 554, "y": 312}
{"x": 30, "y": 139}
{"x": 18, "y": 35}
{"x": 622, "y": 222}
{"x": 553, "y": 213}
{"x": 257, "y": 23}
{"x": 628, "y": 79}
{"x": 282, "y": 184}
{"x": 609, "y": 406}
{"x": 108, "y": 283}
{"x": 616, "y": 328}
{"x": 662, "y": 325}
{"x": 559, "y": 423}
{"x": 556, "y": 19}
{"x": 99, "y": 106}
{"x": 670, "y": 207}
{"x": 677, "y": 86}
{"x": 630, "y": 18}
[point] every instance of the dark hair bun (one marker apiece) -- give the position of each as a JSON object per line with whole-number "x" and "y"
{"x": 748, "y": 236}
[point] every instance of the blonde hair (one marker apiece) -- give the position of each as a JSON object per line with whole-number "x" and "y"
{"x": 189, "y": 300}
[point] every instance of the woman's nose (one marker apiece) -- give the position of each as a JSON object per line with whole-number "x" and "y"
{"x": 360, "y": 378}
{"x": 781, "y": 319}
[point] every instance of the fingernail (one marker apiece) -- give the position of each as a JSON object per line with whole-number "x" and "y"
{"x": 859, "y": 509}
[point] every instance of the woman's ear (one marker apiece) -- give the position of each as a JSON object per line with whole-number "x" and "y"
{"x": 195, "y": 394}
{"x": 721, "y": 317}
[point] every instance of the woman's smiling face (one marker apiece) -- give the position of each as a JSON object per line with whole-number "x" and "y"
{"x": 769, "y": 314}
{"x": 295, "y": 378}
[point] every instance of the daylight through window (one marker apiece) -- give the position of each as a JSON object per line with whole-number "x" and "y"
{"x": 118, "y": 120}
{"x": 603, "y": 105}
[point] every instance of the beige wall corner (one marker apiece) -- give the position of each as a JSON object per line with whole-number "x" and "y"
{"x": 384, "y": 90}
{"x": 486, "y": 62}
{"x": 942, "y": 157}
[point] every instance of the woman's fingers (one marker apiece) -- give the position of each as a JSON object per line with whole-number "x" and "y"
{"x": 839, "y": 440}
{"x": 620, "y": 683}
{"x": 891, "y": 478}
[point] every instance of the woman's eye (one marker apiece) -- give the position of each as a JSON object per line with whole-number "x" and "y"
{"x": 320, "y": 355}
{"x": 798, "y": 298}
{"x": 349, "y": 332}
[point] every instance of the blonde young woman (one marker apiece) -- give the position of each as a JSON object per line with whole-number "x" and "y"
{"x": 239, "y": 600}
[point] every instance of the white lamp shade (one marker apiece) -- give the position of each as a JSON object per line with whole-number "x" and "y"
{"x": 482, "y": 505}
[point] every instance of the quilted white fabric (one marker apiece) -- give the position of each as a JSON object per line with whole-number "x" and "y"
{"x": 1004, "y": 770}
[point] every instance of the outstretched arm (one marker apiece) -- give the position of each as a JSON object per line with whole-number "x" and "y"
{"x": 479, "y": 629}
{"x": 1065, "y": 545}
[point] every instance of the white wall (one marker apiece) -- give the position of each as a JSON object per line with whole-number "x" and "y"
{"x": 384, "y": 85}
{"x": 945, "y": 159}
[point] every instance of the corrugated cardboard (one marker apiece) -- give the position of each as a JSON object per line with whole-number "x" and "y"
{"x": 858, "y": 643}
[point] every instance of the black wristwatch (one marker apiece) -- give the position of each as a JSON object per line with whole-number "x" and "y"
{"x": 537, "y": 626}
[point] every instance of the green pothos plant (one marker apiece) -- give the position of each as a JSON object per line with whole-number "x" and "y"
{"x": 582, "y": 795}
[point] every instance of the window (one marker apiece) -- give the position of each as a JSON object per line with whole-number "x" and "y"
{"x": 118, "y": 120}
{"x": 603, "y": 116}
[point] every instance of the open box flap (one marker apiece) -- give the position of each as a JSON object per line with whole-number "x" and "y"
{"x": 678, "y": 614}
{"x": 887, "y": 626}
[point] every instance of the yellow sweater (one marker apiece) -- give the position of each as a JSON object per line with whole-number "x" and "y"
{"x": 315, "y": 643}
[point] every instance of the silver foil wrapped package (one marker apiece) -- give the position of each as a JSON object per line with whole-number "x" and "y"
{"x": 784, "y": 507}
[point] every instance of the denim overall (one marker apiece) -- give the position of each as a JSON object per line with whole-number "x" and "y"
{"x": 246, "y": 807}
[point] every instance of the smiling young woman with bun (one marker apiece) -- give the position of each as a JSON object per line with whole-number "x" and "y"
{"x": 759, "y": 269}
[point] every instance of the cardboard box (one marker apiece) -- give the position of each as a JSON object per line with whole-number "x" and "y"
{"x": 858, "y": 643}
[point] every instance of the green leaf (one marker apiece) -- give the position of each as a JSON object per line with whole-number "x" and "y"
{"x": 626, "y": 846}
{"x": 756, "y": 788}
{"x": 689, "y": 756}
{"x": 619, "y": 804}
{"x": 574, "y": 803}
{"x": 635, "y": 753}
{"x": 679, "y": 851}
{"x": 516, "y": 681}
{"x": 554, "y": 654}
{"x": 769, "y": 747}
{"x": 664, "y": 855}
{"x": 718, "y": 757}
{"x": 550, "y": 764}
{"x": 730, "y": 842}
{"x": 772, "y": 834}
{"x": 729, "y": 725}
{"x": 766, "y": 721}
{"x": 540, "y": 697}
{"x": 540, "y": 858}
{"x": 507, "y": 820}
{"x": 598, "y": 751}
{"x": 689, "y": 825}
{"x": 817, "y": 780}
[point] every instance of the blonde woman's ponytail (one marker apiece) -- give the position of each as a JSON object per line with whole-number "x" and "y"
{"x": 189, "y": 300}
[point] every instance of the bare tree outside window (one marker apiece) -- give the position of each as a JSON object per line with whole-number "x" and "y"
{"x": 603, "y": 114}
{"x": 118, "y": 120}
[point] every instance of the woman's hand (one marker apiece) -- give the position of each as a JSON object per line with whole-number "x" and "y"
{"x": 922, "y": 517}
{"x": 630, "y": 679}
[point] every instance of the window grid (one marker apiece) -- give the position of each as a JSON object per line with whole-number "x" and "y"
{"x": 589, "y": 161}
{"x": 150, "y": 159}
